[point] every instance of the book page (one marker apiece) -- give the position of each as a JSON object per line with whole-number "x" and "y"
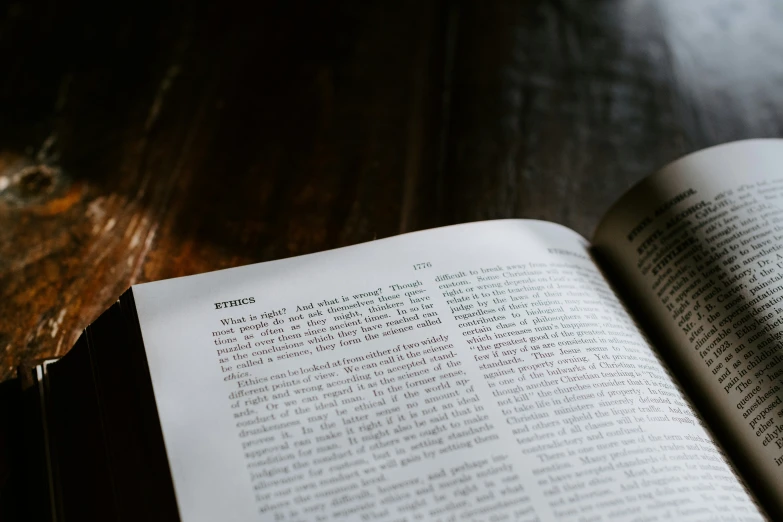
{"x": 473, "y": 372}
{"x": 699, "y": 248}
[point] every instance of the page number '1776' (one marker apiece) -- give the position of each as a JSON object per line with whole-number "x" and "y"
{"x": 421, "y": 266}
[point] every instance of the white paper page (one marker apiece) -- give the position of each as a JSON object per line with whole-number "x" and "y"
{"x": 474, "y": 371}
{"x": 699, "y": 247}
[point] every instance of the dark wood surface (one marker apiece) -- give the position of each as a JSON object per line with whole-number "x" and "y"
{"x": 137, "y": 145}
{"x": 144, "y": 143}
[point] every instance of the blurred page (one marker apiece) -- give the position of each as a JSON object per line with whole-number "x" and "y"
{"x": 699, "y": 248}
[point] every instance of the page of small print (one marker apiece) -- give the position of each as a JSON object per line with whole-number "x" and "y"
{"x": 475, "y": 372}
{"x": 699, "y": 247}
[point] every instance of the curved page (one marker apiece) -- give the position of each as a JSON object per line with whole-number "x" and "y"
{"x": 699, "y": 247}
{"x": 474, "y": 372}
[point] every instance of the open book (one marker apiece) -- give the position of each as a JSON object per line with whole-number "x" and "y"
{"x": 502, "y": 370}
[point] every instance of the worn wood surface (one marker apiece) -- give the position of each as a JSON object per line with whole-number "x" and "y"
{"x": 137, "y": 145}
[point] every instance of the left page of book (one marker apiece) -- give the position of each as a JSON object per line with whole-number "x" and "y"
{"x": 460, "y": 373}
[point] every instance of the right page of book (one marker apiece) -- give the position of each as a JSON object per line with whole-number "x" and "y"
{"x": 698, "y": 250}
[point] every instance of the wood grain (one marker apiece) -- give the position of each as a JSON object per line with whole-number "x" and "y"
{"x": 136, "y": 146}
{"x": 560, "y": 106}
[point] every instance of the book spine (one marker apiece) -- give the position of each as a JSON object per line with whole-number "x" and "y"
{"x": 40, "y": 463}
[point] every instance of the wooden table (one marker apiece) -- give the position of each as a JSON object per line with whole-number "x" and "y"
{"x": 144, "y": 144}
